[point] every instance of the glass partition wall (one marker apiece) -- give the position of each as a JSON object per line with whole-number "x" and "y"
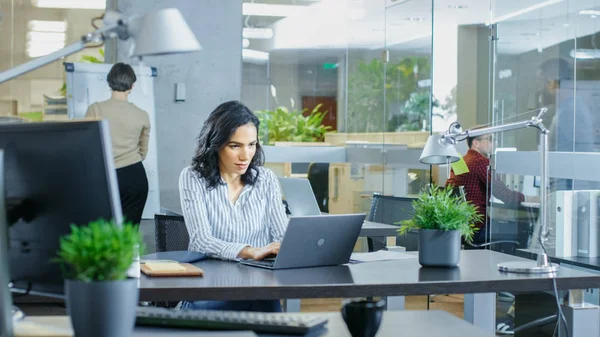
{"x": 30, "y": 29}
{"x": 343, "y": 89}
{"x": 546, "y": 56}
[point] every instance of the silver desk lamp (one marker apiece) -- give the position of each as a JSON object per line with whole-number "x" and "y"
{"x": 436, "y": 152}
{"x": 157, "y": 33}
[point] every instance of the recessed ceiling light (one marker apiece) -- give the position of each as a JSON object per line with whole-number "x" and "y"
{"x": 256, "y": 9}
{"x": 257, "y": 33}
{"x": 83, "y": 4}
{"x": 589, "y": 12}
{"x": 529, "y": 34}
{"x": 458, "y": 6}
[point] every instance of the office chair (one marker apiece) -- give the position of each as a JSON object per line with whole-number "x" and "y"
{"x": 170, "y": 233}
{"x": 390, "y": 210}
{"x": 318, "y": 177}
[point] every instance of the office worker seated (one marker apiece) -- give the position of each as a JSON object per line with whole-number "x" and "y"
{"x": 232, "y": 205}
{"x": 476, "y": 182}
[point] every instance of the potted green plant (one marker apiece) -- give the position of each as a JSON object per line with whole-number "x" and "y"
{"x": 100, "y": 299}
{"x": 441, "y": 218}
{"x": 291, "y": 126}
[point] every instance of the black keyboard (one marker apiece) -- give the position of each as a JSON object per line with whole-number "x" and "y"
{"x": 279, "y": 323}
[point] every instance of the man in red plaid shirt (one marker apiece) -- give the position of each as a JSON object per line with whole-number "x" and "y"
{"x": 476, "y": 181}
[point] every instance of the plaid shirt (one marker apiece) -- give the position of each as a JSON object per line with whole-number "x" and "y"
{"x": 475, "y": 184}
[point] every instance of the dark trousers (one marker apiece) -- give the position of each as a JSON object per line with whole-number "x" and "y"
{"x": 133, "y": 189}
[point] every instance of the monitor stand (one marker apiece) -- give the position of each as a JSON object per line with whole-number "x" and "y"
{"x": 6, "y": 315}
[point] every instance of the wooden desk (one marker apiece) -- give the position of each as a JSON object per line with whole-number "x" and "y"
{"x": 394, "y": 323}
{"x": 477, "y": 277}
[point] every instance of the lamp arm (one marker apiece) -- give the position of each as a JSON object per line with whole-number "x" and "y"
{"x": 453, "y": 136}
{"x": 114, "y": 29}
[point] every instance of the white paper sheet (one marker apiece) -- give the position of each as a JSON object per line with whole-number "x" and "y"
{"x": 380, "y": 255}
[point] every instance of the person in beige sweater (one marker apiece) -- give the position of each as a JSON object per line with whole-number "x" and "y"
{"x": 130, "y": 134}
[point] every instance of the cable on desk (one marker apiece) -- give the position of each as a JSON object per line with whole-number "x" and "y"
{"x": 560, "y": 312}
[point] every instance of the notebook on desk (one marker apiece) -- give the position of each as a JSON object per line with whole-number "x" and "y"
{"x": 315, "y": 241}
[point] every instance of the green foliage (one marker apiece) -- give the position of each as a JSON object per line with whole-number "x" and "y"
{"x": 84, "y": 58}
{"x": 415, "y": 111}
{"x": 291, "y": 126}
{"x": 438, "y": 208}
{"x": 367, "y": 83}
{"x": 100, "y": 251}
{"x": 93, "y": 59}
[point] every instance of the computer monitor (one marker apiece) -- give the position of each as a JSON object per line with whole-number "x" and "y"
{"x": 536, "y": 181}
{"x": 5, "y": 298}
{"x": 55, "y": 175}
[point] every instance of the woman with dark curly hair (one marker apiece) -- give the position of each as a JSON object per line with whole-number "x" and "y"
{"x": 232, "y": 205}
{"x": 130, "y": 134}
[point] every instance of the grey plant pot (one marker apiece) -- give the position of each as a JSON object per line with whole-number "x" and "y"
{"x": 439, "y": 248}
{"x": 102, "y": 309}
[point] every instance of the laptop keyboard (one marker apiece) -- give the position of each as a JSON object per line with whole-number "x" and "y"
{"x": 278, "y": 323}
{"x": 266, "y": 263}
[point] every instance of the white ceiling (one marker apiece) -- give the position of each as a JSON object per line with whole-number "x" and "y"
{"x": 337, "y": 25}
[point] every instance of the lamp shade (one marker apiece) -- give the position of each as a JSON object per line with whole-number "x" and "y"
{"x": 162, "y": 32}
{"x": 436, "y": 154}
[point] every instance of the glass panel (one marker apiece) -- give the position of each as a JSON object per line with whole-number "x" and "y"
{"x": 408, "y": 91}
{"x": 546, "y": 57}
{"x": 28, "y": 32}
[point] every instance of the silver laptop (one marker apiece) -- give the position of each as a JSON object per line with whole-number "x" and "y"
{"x": 299, "y": 196}
{"x": 315, "y": 241}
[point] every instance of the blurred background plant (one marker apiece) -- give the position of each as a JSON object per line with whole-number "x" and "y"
{"x": 282, "y": 125}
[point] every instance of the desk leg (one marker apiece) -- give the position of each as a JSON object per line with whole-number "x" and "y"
{"x": 480, "y": 309}
{"x": 582, "y": 318}
{"x": 291, "y": 305}
{"x": 395, "y": 302}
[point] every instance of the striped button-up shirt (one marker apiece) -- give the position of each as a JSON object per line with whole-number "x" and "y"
{"x": 221, "y": 229}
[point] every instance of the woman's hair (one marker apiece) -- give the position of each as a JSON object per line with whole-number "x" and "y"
{"x": 216, "y": 133}
{"x": 121, "y": 77}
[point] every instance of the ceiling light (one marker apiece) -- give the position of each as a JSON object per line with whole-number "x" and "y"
{"x": 47, "y": 26}
{"x": 589, "y": 12}
{"x": 585, "y": 54}
{"x": 522, "y": 11}
{"x": 245, "y": 43}
{"x": 254, "y": 56}
{"x": 257, "y": 33}
{"x": 271, "y": 10}
{"x": 83, "y": 4}
{"x": 46, "y": 37}
{"x": 415, "y": 18}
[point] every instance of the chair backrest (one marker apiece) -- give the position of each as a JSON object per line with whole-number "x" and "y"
{"x": 389, "y": 209}
{"x": 170, "y": 233}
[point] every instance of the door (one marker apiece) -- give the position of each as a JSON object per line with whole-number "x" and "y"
{"x": 329, "y": 104}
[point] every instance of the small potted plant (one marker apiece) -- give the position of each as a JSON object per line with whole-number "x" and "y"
{"x": 441, "y": 218}
{"x": 100, "y": 299}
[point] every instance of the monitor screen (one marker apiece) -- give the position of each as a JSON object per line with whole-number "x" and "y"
{"x": 55, "y": 175}
{"x": 536, "y": 181}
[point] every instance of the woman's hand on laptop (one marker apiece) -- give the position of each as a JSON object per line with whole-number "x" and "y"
{"x": 259, "y": 253}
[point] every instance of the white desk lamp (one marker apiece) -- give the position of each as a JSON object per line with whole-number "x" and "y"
{"x": 437, "y": 151}
{"x": 157, "y": 33}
